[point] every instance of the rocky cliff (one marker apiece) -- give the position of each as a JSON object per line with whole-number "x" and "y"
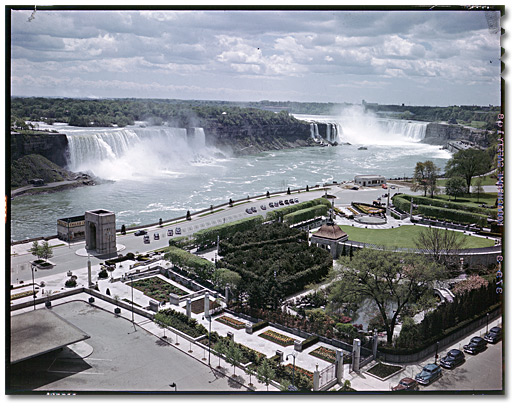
{"x": 52, "y": 146}
{"x": 440, "y": 134}
{"x": 249, "y": 139}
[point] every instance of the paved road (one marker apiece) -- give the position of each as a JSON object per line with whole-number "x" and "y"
{"x": 65, "y": 256}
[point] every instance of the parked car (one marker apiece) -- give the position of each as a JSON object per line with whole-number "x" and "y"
{"x": 253, "y": 208}
{"x": 286, "y": 202}
{"x": 146, "y": 239}
{"x": 155, "y": 236}
{"x": 296, "y": 200}
{"x": 406, "y": 384}
{"x": 281, "y": 202}
{"x": 355, "y": 188}
{"x": 140, "y": 232}
{"x": 429, "y": 374}
{"x": 494, "y": 335}
{"x": 271, "y": 205}
{"x": 263, "y": 207}
{"x": 276, "y": 204}
{"x": 249, "y": 211}
{"x": 291, "y": 201}
{"x": 452, "y": 359}
{"x": 170, "y": 232}
{"x": 177, "y": 231}
{"x": 475, "y": 345}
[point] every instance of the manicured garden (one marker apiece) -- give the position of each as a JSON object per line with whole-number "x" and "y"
{"x": 276, "y": 337}
{"x": 403, "y": 237}
{"x": 329, "y": 355}
{"x": 383, "y": 370}
{"x": 229, "y": 321}
{"x": 157, "y": 288}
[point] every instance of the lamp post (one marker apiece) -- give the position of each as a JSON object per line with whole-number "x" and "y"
{"x": 33, "y": 269}
{"x": 436, "y": 352}
{"x": 487, "y": 321}
{"x": 294, "y": 360}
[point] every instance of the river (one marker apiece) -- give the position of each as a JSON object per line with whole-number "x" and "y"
{"x": 157, "y": 172}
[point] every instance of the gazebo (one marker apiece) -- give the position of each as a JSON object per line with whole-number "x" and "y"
{"x": 329, "y": 237}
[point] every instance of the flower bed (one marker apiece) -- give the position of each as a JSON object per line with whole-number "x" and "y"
{"x": 234, "y": 323}
{"x": 323, "y": 353}
{"x": 157, "y": 289}
{"x": 277, "y": 338}
{"x": 304, "y": 372}
{"x": 22, "y": 294}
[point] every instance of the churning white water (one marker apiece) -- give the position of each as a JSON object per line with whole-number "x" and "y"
{"x": 161, "y": 172}
{"x": 136, "y": 152}
{"x": 355, "y": 126}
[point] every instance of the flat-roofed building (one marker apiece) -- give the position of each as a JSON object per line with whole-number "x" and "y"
{"x": 369, "y": 180}
{"x": 71, "y": 229}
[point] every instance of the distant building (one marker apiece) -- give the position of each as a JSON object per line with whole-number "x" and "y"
{"x": 369, "y": 180}
{"x": 71, "y": 229}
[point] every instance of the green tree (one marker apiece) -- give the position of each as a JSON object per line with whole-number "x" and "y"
{"x": 467, "y": 164}
{"x": 440, "y": 244}
{"x": 36, "y": 250}
{"x": 425, "y": 177}
{"x": 220, "y": 348}
{"x": 456, "y": 186}
{"x": 233, "y": 356}
{"x": 265, "y": 373}
{"x": 46, "y": 250}
{"x": 391, "y": 280}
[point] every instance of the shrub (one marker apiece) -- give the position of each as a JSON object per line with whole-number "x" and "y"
{"x": 71, "y": 283}
{"x": 260, "y": 325}
{"x": 310, "y": 341}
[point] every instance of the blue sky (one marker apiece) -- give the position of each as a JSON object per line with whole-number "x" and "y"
{"x": 391, "y": 57}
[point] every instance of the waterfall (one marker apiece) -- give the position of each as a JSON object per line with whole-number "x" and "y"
{"x": 132, "y": 151}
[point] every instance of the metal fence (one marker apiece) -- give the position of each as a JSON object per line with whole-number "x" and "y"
{"x": 327, "y": 375}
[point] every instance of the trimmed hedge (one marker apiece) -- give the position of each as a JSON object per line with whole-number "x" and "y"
{"x": 259, "y": 325}
{"x": 401, "y": 203}
{"x": 208, "y": 237}
{"x": 310, "y": 341}
{"x": 306, "y": 214}
{"x": 453, "y": 215}
{"x": 181, "y": 258}
{"x": 272, "y": 215}
{"x": 441, "y": 203}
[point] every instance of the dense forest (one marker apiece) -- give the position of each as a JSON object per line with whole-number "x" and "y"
{"x": 200, "y": 113}
{"x": 122, "y": 112}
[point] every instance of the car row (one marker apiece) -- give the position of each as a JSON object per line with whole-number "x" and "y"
{"x": 453, "y": 358}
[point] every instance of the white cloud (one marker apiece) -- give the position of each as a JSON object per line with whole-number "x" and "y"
{"x": 286, "y": 53}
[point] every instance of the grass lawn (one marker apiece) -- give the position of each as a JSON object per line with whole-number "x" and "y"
{"x": 403, "y": 237}
{"x": 487, "y": 198}
{"x": 487, "y": 180}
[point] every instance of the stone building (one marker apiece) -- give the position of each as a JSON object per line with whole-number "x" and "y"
{"x": 100, "y": 232}
{"x": 331, "y": 237}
